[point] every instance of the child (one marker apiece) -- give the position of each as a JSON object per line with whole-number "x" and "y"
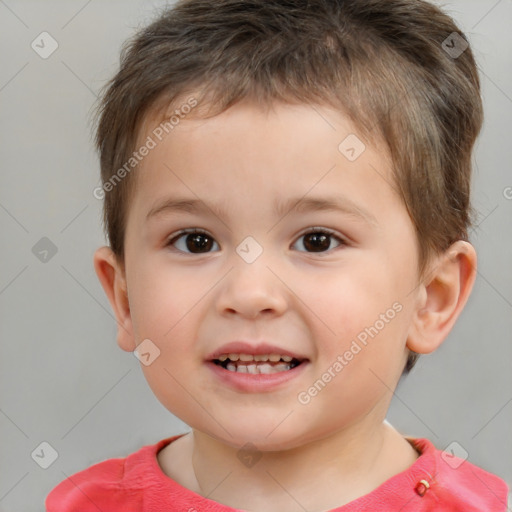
{"x": 286, "y": 195}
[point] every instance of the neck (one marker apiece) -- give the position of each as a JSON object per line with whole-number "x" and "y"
{"x": 357, "y": 459}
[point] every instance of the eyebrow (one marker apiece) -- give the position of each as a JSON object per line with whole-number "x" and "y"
{"x": 281, "y": 208}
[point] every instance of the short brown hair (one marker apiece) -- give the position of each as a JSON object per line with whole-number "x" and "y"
{"x": 386, "y": 64}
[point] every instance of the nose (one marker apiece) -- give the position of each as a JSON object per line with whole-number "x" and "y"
{"x": 251, "y": 290}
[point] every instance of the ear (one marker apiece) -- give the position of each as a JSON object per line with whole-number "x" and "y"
{"x": 112, "y": 277}
{"x": 442, "y": 296}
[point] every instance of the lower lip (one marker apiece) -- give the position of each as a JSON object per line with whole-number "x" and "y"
{"x": 256, "y": 383}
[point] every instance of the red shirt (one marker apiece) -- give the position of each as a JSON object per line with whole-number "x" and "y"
{"x": 137, "y": 484}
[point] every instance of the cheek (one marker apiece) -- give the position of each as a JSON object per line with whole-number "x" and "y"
{"x": 344, "y": 302}
{"x": 361, "y": 369}
{"x": 362, "y": 322}
{"x": 161, "y": 299}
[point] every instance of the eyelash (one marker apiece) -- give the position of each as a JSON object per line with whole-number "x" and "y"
{"x": 316, "y": 230}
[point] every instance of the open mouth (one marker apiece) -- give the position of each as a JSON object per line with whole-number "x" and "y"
{"x": 257, "y": 364}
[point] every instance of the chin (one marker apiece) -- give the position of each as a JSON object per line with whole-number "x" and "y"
{"x": 263, "y": 436}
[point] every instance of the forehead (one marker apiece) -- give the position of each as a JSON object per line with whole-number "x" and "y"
{"x": 264, "y": 127}
{"x": 288, "y": 149}
{"x": 195, "y": 107}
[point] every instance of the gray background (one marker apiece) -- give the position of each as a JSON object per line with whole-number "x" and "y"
{"x": 63, "y": 379}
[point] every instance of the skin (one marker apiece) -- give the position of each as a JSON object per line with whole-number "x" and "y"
{"x": 313, "y": 303}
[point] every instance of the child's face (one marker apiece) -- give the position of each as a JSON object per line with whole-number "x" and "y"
{"x": 309, "y": 296}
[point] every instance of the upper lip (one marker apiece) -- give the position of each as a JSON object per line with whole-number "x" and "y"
{"x": 255, "y": 349}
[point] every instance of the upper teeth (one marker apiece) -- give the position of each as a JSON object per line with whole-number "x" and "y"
{"x": 249, "y": 357}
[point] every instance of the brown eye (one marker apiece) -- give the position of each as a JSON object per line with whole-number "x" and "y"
{"x": 319, "y": 241}
{"x": 195, "y": 242}
{"x": 202, "y": 243}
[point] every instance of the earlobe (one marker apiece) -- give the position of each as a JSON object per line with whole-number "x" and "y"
{"x": 442, "y": 297}
{"x": 113, "y": 280}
